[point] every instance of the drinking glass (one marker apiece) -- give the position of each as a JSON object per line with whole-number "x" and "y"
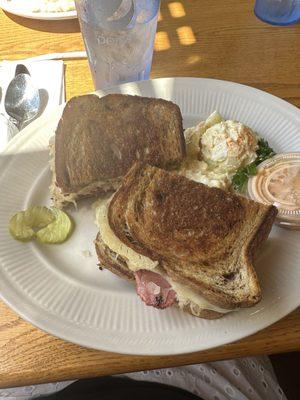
{"x": 119, "y": 37}
{"x": 278, "y": 12}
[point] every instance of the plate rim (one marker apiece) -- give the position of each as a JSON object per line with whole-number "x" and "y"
{"x": 12, "y": 9}
{"x": 21, "y": 137}
{"x": 136, "y": 352}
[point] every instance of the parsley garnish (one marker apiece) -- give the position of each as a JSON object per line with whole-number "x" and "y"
{"x": 263, "y": 152}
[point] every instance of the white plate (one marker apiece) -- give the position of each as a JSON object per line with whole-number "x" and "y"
{"x": 60, "y": 290}
{"x": 24, "y": 11}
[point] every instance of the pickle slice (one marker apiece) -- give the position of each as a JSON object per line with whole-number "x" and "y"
{"x": 24, "y": 224}
{"x": 58, "y": 230}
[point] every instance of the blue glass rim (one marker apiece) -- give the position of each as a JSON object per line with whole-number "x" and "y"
{"x": 274, "y": 22}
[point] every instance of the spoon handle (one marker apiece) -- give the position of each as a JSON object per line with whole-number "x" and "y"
{"x": 19, "y": 125}
{"x": 14, "y": 122}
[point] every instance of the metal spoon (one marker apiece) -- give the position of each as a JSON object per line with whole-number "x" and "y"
{"x": 22, "y": 99}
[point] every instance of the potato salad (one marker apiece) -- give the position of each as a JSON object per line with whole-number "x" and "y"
{"x": 217, "y": 149}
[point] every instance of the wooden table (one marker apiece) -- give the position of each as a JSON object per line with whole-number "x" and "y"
{"x": 203, "y": 38}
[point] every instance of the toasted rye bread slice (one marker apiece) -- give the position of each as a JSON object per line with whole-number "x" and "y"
{"x": 204, "y": 237}
{"x": 117, "y": 265}
{"x": 98, "y": 139}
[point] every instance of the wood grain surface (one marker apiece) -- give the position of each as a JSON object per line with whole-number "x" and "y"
{"x": 30, "y": 356}
{"x": 204, "y": 38}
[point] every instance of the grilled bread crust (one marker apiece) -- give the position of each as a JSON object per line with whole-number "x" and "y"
{"x": 117, "y": 265}
{"x": 98, "y": 139}
{"x": 203, "y": 237}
